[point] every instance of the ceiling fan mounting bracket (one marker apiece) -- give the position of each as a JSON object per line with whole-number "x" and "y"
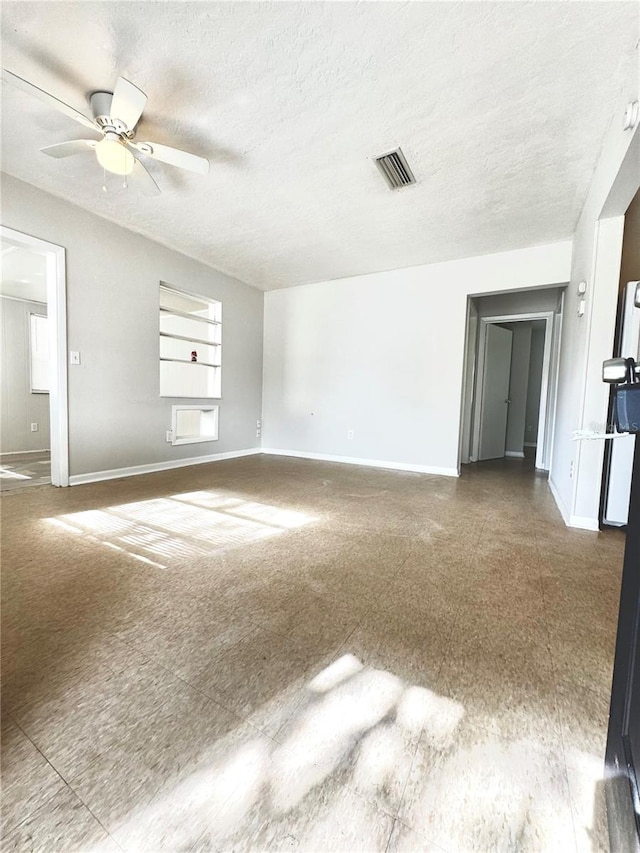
{"x": 114, "y": 125}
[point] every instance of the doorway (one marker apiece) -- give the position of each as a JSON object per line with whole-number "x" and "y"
{"x": 34, "y": 443}
{"x": 511, "y": 377}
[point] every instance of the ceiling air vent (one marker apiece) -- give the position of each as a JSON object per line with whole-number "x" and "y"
{"x": 395, "y": 169}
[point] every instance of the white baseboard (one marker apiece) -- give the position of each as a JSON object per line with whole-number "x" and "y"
{"x": 580, "y": 521}
{"x": 564, "y": 512}
{"x": 369, "y": 463}
{"x": 584, "y": 522}
{"x": 152, "y": 467}
{"x": 517, "y": 454}
{"x": 24, "y": 452}
{"x": 530, "y": 443}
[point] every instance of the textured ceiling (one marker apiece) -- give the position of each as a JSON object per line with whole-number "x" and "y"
{"x": 501, "y": 109}
{"x": 23, "y": 273}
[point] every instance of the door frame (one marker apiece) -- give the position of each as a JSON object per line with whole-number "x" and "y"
{"x": 57, "y": 313}
{"x": 545, "y": 427}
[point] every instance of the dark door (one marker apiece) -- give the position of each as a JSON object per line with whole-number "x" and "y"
{"x": 622, "y": 762}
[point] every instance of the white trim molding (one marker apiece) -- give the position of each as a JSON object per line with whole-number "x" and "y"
{"x": 517, "y": 454}
{"x": 564, "y": 512}
{"x": 369, "y": 463}
{"x": 547, "y": 395}
{"x": 580, "y": 522}
{"x": 583, "y": 522}
{"x": 153, "y": 467}
{"x": 24, "y": 452}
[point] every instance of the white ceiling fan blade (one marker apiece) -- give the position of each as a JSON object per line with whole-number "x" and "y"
{"x": 67, "y": 149}
{"x": 45, "y": 97}
{"x": 173, "y": 156}
{"x": 127, "y": 103}
{"x": 139, "y": 179}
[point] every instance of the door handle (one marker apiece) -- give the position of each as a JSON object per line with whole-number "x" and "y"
{"x": 507, "y": 401}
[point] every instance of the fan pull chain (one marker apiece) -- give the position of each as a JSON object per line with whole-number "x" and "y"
{"x": 104, "y": 180}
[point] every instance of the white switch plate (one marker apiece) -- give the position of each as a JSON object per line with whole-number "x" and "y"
{"x": 74, "y": 357}
{"x": 34, "y": 427}
{"x": 350, "y": 434}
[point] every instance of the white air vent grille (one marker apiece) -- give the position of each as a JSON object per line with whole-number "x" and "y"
{"x": 395, "y": 169}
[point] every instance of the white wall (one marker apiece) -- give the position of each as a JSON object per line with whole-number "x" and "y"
{"x": 382, "y": 355}
{"x": 19, "y": 407}
{"x": 586, "y": 341}
{"x": 116, "y": 416}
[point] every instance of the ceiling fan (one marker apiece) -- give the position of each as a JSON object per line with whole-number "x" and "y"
{"x": 115, "y": 115}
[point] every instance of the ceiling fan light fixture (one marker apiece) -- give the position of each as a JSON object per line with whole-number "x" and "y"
{"x": 113, "y": 156}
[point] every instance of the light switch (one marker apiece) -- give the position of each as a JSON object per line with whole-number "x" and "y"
{"x": 74, "y": 357}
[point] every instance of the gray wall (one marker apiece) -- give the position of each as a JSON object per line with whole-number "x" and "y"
{"x": 520, "y": 302}
{"x": 518, "y": 384}
{"x": 20, "y": 408}
{"x": 116, "y": 416}
{"x": 535, "y": 383}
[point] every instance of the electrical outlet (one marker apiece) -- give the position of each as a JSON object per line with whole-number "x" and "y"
{"x": 169, "y": 436}
{"x": 258, "y": 429}
{"x": 74, "y": 357}
{"x": 350, "y": 434}
{"x": 34, "y": 427}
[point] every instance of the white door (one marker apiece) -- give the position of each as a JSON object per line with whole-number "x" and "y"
{"x": 495, "y": 392}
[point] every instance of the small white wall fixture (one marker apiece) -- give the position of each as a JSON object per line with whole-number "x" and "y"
{"x": 57, "y": 312}
{"x": 547, "y": 390}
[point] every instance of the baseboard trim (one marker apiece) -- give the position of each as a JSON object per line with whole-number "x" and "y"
{"x": 24, "y": 452}
{"x": 529, "y": 443}
{"x": 151, "y": 468}
{"x": 369, "y": 463}
{"x": 581, "y": 522}
{"x": 564, "y": 512}
{"x": 584, "y": 522}
{"x": 517, "y": 454}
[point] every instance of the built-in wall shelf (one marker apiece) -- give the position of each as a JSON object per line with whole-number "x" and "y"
{"x": 189, "y": 361}
{"x": 188, "y": 316}
{"x": 188, "y": 325}
{"x": 190, "y": 339}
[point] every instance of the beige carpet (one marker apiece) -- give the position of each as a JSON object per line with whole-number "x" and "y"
{"x": 278, "y": 654}
{"x": 20, "y": 471}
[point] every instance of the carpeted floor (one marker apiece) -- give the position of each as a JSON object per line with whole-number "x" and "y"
{"x": 20, "y": 471}
{"x": 279, "y": 654}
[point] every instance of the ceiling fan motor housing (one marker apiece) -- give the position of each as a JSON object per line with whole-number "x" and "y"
{"x": 101, "y": 109}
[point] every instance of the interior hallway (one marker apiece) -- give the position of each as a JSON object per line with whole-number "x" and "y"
{"x": 279, "y": 654}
